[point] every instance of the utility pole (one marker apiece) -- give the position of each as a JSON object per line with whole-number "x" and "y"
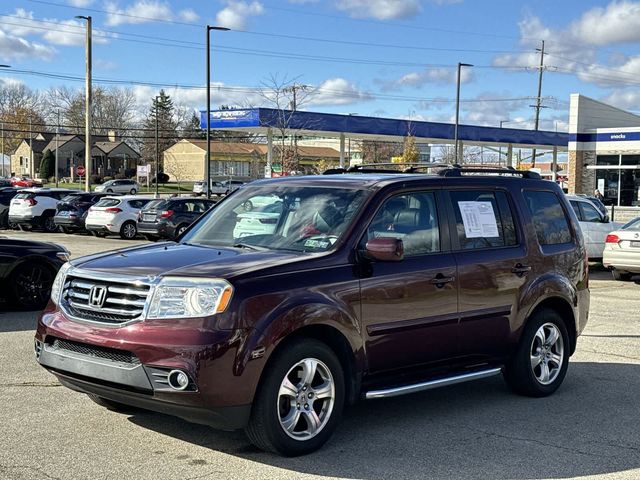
{"x": 57, "y": 136}
{"x": 538, "y": 104}
{"x": 32, "y": 170}
{"x": 157, "y": 146}
{"x": 87, "y": 103}
{"x": 293, "y": 89}
{"x": 3, "y": 159}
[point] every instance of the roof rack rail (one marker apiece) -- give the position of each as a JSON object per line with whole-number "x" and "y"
{"x": 458, "y": 171}
{"x": 413, "y": 167}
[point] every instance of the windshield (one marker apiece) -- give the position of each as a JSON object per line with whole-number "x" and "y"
{"x": 280, "y": 217}
{"x": 632, "y": 225}
{"x": 155, "y": 205}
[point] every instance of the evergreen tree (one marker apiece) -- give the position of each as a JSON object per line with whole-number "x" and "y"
{"x": 163, "y": 109}
{"x": 47, "y": 165}
{"x": 192, "y": 128}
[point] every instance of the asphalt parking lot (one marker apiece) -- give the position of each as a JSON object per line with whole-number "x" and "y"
{"x": 589, "y": 428}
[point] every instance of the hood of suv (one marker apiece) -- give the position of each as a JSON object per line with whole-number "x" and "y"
{"x": 174, "y": 259}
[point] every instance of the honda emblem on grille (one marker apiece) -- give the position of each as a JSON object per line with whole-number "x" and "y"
{"x": 97, "y": 296}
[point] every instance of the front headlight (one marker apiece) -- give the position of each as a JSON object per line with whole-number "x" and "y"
{"x": 58, "y": 283}
{"x": 185, "y": 297}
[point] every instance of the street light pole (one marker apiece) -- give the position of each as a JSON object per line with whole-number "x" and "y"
{"x": 460, "y": 65}
{"x": 500, "y": 147}
{"x": 208, "y": 154}
{"x": 87, "y": 102}
{"x": 2, "y": 126}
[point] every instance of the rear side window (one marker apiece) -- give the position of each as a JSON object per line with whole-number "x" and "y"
{"x": 108, "y": 202}
{"x": 549, "y": 219}
{"x": 589, "y": 213}
{"x": 156, "y": 205}
{"x": 483, "y": 219}
{"x": 138, "y": 203}
{"x": 23, "y": 196}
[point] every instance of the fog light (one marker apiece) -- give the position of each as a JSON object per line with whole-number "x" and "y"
{"x": 178, "y": 380}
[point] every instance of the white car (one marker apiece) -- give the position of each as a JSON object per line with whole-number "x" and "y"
{"x": 130, "y": 187}
{"x": 36, "y": 207}
{"x": 116, "y": 215}
{"x": 261, "y": 221}
{"x": 622, "y": 251}
{"x": 217, "y": 188}
{"x": 594, "y": 225}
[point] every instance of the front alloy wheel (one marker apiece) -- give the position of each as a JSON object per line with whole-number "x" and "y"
{"x": 547, "y": 353}
{"x": 300, "y": 399}
{"x": 306, "y": 398}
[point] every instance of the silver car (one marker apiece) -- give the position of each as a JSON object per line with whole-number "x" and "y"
{"x": 125, "y": 187}
{"x": 622, "y": 251}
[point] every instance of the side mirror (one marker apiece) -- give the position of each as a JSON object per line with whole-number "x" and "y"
{"x": 385, "y": 249}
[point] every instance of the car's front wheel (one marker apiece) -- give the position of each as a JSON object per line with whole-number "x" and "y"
{"x": 49, "y": 225}
{"x": 540, "y": 363}
{"x": 133, "y": 191}
{"x": 300, "y": 400}
{"x": 31, "y": 285}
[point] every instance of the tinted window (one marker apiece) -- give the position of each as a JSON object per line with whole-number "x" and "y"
{"x": 108, "y": 202}
{"x": 589, "y": 213}
{"x": 483, "y": 219}
{"x": 138, "y": 203}
{"x": 576, "y": 208}
{"x": 548, "y": 216}
{"x": 632, "y": 225}
{"x": 412, "y": 218}
{"x": 156, "y": 205}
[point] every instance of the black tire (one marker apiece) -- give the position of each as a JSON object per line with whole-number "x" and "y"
{"x": 98, "y": 234}
{"x": 265, "y": 430}
{"x": 248, "y": 206}
{"x": 129, "y": 230}
{"x": 520, "y": 374}
{"x": 621, "y": 276}
{"x": 109, "y": 190}
{"x": 65, "y": 230}
{"x": 133, "y": 191}
{"x": 112, "y": 405}
{"x": 30, "y": 284}
{"x": 180, "y": 229}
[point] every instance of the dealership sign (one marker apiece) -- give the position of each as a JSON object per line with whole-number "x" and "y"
{"x": 231, "y": 118}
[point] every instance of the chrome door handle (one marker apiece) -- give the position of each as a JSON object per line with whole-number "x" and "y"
{"x": 439, "y": 280}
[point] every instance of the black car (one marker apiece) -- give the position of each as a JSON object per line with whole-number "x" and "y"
{"x": 27, "y": 271}
{"x": 71, "y": 211}
{"x": 168, "y": 218}
{"x": 6, "y": 194}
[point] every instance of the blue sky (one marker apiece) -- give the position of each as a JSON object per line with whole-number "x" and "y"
{"x": 393, "y": 58}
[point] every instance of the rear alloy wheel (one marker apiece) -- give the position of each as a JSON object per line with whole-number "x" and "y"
{"x": 49, "y": 225}
{"x": 128, "y": 231}
{"x": 31, "y": 284}
{"x": 300, "y": 400}
{"x": 133, "y": 191}
{"x": 248, "y": 206}
{"x": 180, "y": 230}
{"x": 621, "y": 276}
{"x": 540, "y": 364}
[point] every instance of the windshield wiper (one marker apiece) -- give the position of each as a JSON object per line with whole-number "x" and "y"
{"x": 248, "y": 246}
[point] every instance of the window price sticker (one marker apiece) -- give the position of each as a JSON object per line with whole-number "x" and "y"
{"x": 479, "y": 219}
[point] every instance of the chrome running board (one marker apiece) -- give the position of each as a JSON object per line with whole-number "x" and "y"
{"x": 441, "y": 382}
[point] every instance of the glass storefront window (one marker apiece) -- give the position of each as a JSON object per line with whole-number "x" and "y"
{"x": 629, "y": 180}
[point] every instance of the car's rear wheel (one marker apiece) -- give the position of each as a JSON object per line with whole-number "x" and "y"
{"x": 540, "y": 363}
{"x": 133, "y": 191}
{"x": 181, "y": 228}
{"x": 109, "y": 190}
{"x": 48, "y": 225}
{"x": 128, "y": 231}
{"x": 300, "y": 399}
{"x": 621, "y": 276}
{"x": 248, "y": 206}
{"x": 31, "y": 283}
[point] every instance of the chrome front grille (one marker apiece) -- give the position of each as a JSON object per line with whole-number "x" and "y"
{"x": 100, "y": 300}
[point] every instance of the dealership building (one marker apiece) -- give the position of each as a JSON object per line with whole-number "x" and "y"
{"x": 604, "y": 151}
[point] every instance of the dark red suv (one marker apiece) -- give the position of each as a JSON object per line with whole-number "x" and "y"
{"x": 364, "y": 285}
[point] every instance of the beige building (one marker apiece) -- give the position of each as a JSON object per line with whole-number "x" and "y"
{"x": 185, "y": 161}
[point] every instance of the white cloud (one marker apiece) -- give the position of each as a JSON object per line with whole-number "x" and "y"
{"x": 188, "y": 15}
{"x": 618, "y": 22}
{"x": 101, "y": 64}
{"x": 439, "y": 76}
{"x": 58, "y": 32}
{"x": 337, "y": 91}
{"x": 142, "y": 11}
{"x": 625, "y": 98}
{"x": 380, "y": 9}
{"x": 235, "y": 14}
{"x": 80, "y": 3}
{"x": 12, "y": 47}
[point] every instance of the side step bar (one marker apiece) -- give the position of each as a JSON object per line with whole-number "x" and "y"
{"x": 441, "y": 382}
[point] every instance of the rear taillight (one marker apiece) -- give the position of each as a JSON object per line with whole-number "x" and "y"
{"x": 166, "y": 213}
{"x": 31, "y": 202}
{"x": 612, "y": 238}
{"x": 268, "y": 221}
{"x": 113, "y": 210}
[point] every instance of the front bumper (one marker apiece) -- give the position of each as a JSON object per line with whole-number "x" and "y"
{"x": 130, "y": 365}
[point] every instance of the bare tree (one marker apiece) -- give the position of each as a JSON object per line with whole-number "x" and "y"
{"x": 470, "y": 154}
{"x": 20, "y": 113}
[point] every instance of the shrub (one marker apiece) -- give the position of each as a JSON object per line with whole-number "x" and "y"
{"x": 47, "y": 164}
{"x": 120, "y": 176}
{"x": 162, "y": 177}
{"x": 106, "y": 179}
{"x": 130, "y": 173}
{"x": 52, "y": 179}
{"x": 96, "y": 179}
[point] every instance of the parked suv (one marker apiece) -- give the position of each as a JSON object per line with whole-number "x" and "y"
{"x": 371, "y": 285}
{"x": 130, "y": 187}
{"x": 115, "y": 215}
{"x": 71, "y": 211}
{"x": 168, "y": 218}
{"x": 594, "y": 224}
{"x": 36, "y": 207}
{"x": 6, "y": 194}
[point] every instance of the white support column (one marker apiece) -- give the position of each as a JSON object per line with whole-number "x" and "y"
{"x": 554, "y": 165}
{"x": 342, "y": 150}
{"x": 510, "y": 156}
{"x": 267, "y": 172}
